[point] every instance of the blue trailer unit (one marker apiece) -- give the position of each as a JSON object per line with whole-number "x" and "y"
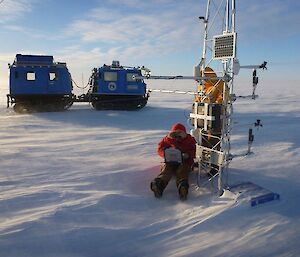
{"x": 37, "y": 83}
{"x": 114, "y": 87}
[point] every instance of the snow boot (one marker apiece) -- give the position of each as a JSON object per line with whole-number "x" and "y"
{"x": 183, "y": 189}
{"x": 157, "y": 186}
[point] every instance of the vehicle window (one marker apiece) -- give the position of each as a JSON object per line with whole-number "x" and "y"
{"x": 52, "y": 76}
{"x": 110, "y": 76}
{"x": 30, "y": 76}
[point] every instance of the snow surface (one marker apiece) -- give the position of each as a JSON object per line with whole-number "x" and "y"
{"x": 76, "y": 183}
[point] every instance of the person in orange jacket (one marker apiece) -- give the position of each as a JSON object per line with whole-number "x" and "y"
{"x": 183, "y": 145}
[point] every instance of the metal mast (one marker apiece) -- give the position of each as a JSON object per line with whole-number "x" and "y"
{"x": 211, "y": 116}
{"x": 212, "y": 109}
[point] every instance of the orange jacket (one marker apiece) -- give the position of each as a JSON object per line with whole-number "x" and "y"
{"x": 213, "y": 87}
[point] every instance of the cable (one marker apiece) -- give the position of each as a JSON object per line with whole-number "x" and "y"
{"x": 77, "y": 85}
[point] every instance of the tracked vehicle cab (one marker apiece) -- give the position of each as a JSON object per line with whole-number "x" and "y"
{"x": 115, "y": 87}
{"x": 37, "y": 83}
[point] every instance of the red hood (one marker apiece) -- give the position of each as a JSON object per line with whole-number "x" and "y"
{"x": 178, "y": 126}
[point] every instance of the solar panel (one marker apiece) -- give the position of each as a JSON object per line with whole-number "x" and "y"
{"x": 224, "y": 46}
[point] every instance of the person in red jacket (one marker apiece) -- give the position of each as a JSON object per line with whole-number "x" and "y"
{"x": 178, "y": 150}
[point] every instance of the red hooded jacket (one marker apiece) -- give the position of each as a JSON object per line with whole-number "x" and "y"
{"x": 185, "y": 145}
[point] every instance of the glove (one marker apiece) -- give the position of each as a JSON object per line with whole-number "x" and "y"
{"x": 185, "y": 156}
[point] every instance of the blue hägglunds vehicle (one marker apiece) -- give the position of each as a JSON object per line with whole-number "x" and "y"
{"x": 37, "y": 84}
{"x": 114, "y": 87}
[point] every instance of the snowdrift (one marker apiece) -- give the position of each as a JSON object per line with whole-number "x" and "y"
{"x": 77, "y": 183}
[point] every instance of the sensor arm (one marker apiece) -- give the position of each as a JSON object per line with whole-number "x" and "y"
{"x": 262, "y": 66}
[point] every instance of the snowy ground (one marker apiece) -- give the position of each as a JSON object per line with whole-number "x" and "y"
{"x": 76, "y": 183}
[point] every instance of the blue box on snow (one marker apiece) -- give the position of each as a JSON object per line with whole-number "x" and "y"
{"x": 254, "y": 193}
